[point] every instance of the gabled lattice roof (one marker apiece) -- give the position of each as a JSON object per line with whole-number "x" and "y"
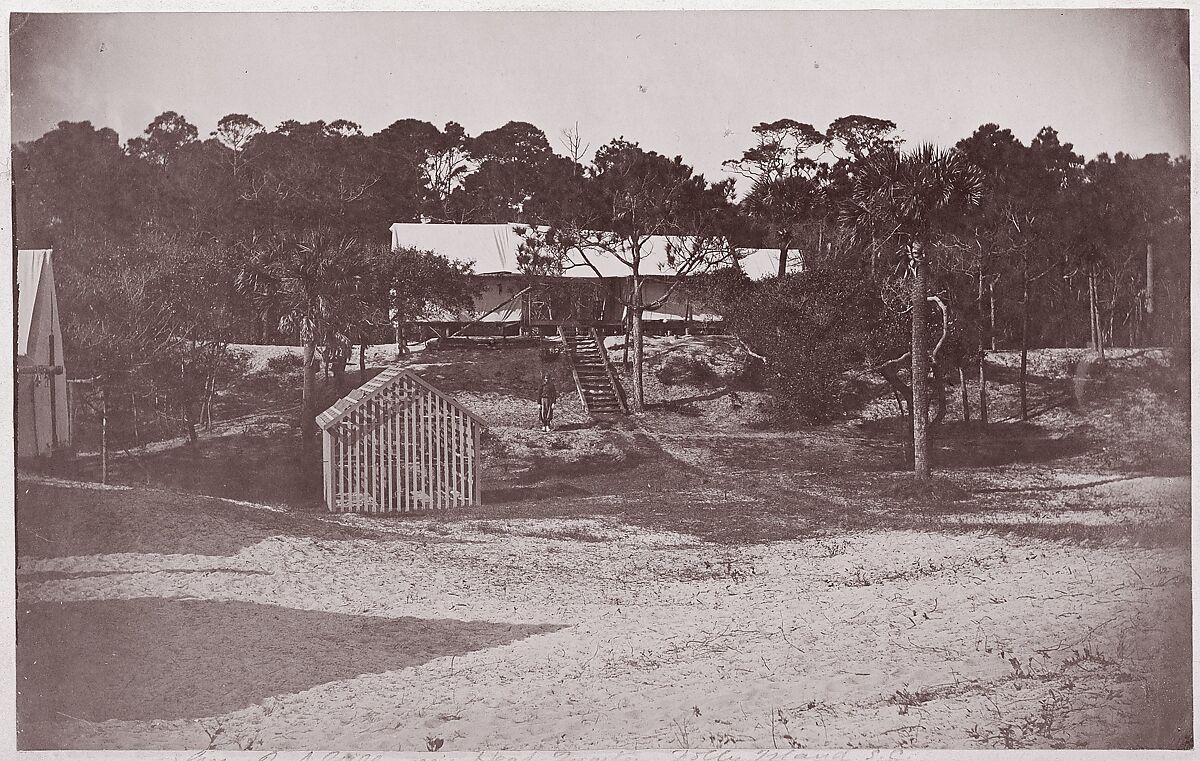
{"x": 367, "y": 391}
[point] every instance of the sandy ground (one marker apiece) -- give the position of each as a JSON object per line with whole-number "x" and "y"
{"x": 713, "y": 586}
{"x": 589, "y": 633}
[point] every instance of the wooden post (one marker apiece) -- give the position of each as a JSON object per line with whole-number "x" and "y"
{"x": 327, "y": 467}
{"x": 53, "y": 379}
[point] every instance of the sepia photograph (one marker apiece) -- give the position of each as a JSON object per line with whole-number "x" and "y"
{"x": 607, "y": 381}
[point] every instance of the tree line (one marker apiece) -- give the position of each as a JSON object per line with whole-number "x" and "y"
{"x": 171, "y": 246}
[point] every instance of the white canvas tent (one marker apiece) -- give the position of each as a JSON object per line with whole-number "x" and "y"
{"x": 492, "y": 249}
{"x": 43, "y": 419}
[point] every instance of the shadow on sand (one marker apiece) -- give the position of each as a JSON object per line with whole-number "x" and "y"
{"x": 154, "y": 658}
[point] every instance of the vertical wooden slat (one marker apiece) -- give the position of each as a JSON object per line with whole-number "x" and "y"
{"x": 431, "y": 428}
{"x": 460, "y": 421}
{"x": 449, "y": 446}
{"x": 410, "y": 451}
{"x": 377, "y": 449}
{"x": 394, "y": 427}
{"x": 369, "y": 455}
{"x": 359, "y": 446}
{"x": 412, "y": 447}
{"x": 444, "y": 429}
{"x": 347, "y": 461}
{"x": 414, "y": 465}
{"x": 398, "y": 422}
{"x": 397, "y": 412}
{"x": 455, "y": 488}
{"x": 375, "y": 455}
{"x": 385, "y": 483}
{"x": 405, "y": 483}
{"x": 419, "y": 468}
{"x": 435, "y": 462}
{"x": 382, "y": 432}
{"x": 431, "y": 424}
{"x": 389, "y": 461}
{"x": 360, "y": 450}
{"x": 364, "y": 469}
{"x": 326, "y": 467}
{"x": 427, "y": 427}
{"x": 443, "y": 456}
{"x": 455, "y": 473}
{"x": 462, "y": 458}
{"x": 435, "y": 459}
{"x": 381, "y": 436}
{"x": 475, "y": 464}
{"x": 422, "y": 448}
{"x": 467, "y": 423}
{"x": 347, "y": 458}
{"x": 355, "y": 458}
{"x": 470, "y": 482}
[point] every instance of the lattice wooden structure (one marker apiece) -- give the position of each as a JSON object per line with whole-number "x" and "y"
{"x": 398, "y": 445}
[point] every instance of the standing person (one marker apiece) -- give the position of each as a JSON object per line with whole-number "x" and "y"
{"x": 547, "y": 396}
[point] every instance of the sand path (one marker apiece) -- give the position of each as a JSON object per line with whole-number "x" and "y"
{"x": 658, "y": 640}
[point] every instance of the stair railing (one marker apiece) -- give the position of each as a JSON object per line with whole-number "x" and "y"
{"x": 570, "y": 350}
{"x": 618, "y": 389}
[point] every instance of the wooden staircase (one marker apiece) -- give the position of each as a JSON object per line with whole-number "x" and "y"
{"x": 597, "y": 383}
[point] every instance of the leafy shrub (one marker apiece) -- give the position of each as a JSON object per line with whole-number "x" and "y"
{"x": 811, "y": 327}
{"x": 285, "y": 364}
{"x": 689, "y": 370}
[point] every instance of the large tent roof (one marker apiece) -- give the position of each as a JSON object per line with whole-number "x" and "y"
{"x": 492, "y": 249}
{"x": 32, "y": 266}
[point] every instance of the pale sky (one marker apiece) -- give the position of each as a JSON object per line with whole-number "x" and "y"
{"x": 690, "y": 83}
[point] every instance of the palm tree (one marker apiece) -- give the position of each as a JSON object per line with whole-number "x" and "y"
{"x": 783, "y": 206}
{"x": 907, "y": 197}
{"x": 312, "y": 282}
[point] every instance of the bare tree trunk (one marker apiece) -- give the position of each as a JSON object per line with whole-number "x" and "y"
{"x": 335, "y": 363}
{"x": 362, "y": 360}
{"x": 104, "y": 436}
{"x": 401, "y": 341}
{"x": 992, "y": 314}
{"x": 1091, "y": 307}
{"x": 1147, "y": 331}
{"x": 308, "y": 415}
{"x": 966, "y": 399}
{"x": 920, "y": 365}
{"x": 1094, "y": 309}
{"x": 625, "y": 351}
{"x": 984, "y": 341}
{"x": 783, "y": 261}
{"x": 211, "y": 400}
{"x": 1023, "y": 378}
{"x": 635, "y": 323}
{"x": 137, "y": 439}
